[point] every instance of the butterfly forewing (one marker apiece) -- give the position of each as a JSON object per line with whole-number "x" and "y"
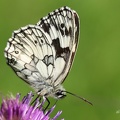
{"x": 62, "y": 26}
{"x": 42, "y": 54}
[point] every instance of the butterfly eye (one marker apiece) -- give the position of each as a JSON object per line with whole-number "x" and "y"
{"x": 59, "y": 94}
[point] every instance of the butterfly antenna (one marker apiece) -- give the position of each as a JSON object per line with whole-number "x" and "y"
{"x": 79, "y": 97}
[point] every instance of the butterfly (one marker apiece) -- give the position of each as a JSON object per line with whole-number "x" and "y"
{"x": 42, "y": 54}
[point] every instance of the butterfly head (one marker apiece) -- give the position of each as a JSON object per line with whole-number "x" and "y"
{"x": 59, "y": 93}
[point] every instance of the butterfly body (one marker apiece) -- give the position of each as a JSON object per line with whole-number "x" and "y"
{"x": 42, "y": 54}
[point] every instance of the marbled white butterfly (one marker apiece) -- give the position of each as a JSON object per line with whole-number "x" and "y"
{"x": 42, "y": 54}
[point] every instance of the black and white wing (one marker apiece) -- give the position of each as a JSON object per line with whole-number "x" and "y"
{"x": 29, "y": 54}
{"x": 62, "y": 27}
{"x": 42, "y": 54}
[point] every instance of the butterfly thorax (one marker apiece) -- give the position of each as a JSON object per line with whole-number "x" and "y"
{"x": 58, "y": 92}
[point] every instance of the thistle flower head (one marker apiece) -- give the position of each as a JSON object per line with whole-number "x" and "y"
{"x": 14, "y": 109}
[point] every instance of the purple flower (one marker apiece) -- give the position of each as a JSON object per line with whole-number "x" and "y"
{"x": 14, "y": 109}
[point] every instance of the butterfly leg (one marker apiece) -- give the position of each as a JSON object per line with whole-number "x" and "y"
{"x": 36, "y": 99}
{"x": 47, "y": 104}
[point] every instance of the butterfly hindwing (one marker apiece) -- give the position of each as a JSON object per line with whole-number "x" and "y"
{"x": 30, "y": 55}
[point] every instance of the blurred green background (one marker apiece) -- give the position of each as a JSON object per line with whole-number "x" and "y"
{"x": 95, "y": 74}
